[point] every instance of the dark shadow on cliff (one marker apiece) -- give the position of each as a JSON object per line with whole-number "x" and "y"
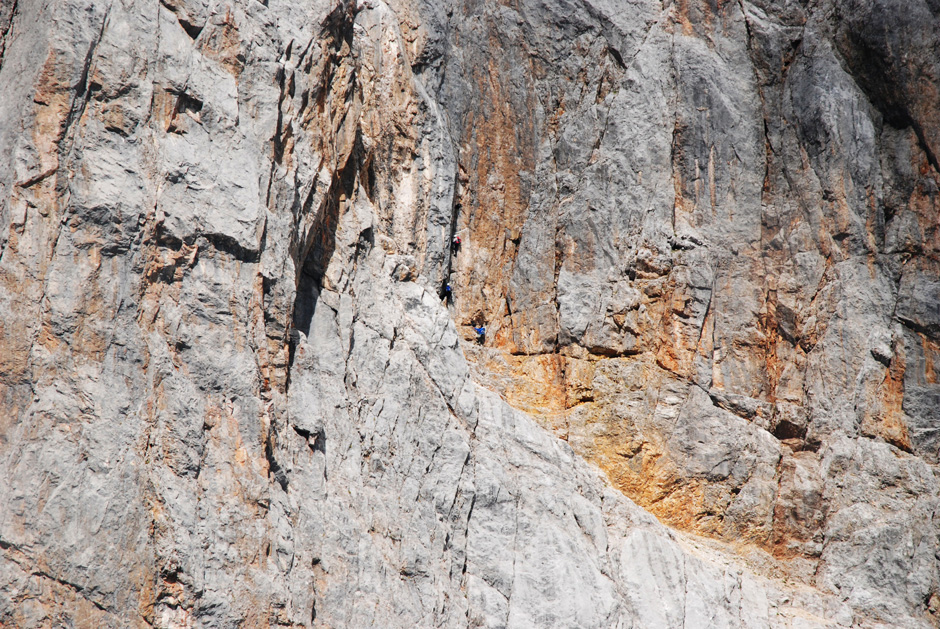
{"x": 321, "y": 241}
{"x": 889, "y": 48}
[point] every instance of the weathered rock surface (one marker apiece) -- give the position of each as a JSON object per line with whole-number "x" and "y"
{"x": 703, "y": 237}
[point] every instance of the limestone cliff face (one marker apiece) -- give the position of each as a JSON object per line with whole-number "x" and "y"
{"x": 704, "y": 237}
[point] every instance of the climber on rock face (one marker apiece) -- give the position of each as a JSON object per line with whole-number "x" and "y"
{"x": 481, "y": 334}
{"x": 455, "y": 244}
{"x": 447, "y": 293}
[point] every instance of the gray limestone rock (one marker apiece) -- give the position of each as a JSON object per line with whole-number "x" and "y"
{"x": 702, "y": 237}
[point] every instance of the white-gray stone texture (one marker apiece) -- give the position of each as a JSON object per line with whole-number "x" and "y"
{"x": 703, "y": 235}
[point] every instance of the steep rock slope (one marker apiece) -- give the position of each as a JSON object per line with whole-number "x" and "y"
{"x": 703, "y": 237}
{"x": 721, "y": 285}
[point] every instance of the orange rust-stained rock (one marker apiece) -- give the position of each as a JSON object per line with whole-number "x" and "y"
{"x": 497, "y": 149}
{"x": 224, "y": 44}
{"x": 702, "y": 236}
{"x": 883, "y": 414}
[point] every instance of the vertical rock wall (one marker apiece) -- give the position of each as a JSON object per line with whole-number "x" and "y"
{"x": 702, "y": 236}
{"x": 730, "y": 212}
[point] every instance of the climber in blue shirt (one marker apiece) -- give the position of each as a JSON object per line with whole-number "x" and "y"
{"x": 481, "y": 334}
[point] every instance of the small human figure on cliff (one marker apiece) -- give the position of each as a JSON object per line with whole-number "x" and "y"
{"x": 448, "y": 294}
{"x": 455, "y": 244}
{"x": 481, "y": 334}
